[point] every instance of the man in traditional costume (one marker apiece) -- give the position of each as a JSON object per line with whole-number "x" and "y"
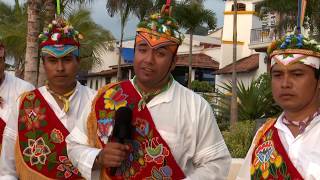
{"x": 10, "y": 89}
{"x": 34, "y": 144}
{"x": 175, "y": 133}
{"x": 288, "y": 147}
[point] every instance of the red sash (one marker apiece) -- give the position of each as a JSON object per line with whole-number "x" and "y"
{"x": 270, "y": 159}
{"x": 2, "y": 126}
{"x": 150, "y": 156}
{"x": 41, "y": 141}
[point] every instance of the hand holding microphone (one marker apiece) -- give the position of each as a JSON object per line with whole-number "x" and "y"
{"x": 112, "y": 155}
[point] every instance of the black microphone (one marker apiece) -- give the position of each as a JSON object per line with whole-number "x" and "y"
{"x": 122, "y": 129}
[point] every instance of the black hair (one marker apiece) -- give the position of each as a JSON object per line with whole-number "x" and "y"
{"x": 317, "y": 74}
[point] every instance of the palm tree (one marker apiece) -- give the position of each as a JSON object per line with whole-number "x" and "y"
{"x": 31, "y": 62}
{"x": 190, "y": 15}
{"x": 146, "y": 7}
{"x": 286, "y": 10}
{"x": 234, "y": 104}
{"x": 313, "y": 12}
{"x": 13, "y": 30}
{"x": 124, "y": 8}
{"x": 95, "y": 39}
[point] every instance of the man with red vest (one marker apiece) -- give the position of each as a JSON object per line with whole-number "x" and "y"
{"x": 288, "y": 147}
{"x": 175, "y": 134}
{"x": 10, "y": 89}
{"x": 34, "y": 140}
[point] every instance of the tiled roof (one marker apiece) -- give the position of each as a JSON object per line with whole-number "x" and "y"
{"x": 107, "y": 73}
{"x": 246, "y": 64}
{"x": 198, "y": 60}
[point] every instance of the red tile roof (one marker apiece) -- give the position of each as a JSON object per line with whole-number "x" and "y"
{"x": 198, "y": 60}
{"x": 110, "y": 72}
{"x": 243, "y": 65}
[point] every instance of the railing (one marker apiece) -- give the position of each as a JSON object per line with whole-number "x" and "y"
{"x": 262, "y": 35}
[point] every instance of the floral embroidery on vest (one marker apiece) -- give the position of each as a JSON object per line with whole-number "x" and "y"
{"x": 43, "y": 147}
{"x": 267, "y": 161}
{"x": 270, "y": 159}
{"x": 149, "y": 156}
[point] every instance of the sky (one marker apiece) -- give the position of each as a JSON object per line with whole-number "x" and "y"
{"x": 100, "y": 16}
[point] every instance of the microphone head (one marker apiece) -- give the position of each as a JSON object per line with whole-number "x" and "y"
{"x": 122, "y": 128}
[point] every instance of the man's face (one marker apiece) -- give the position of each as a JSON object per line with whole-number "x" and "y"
{"x": 61, "y": 72}
{"x": 152, "y": 65}
{"x": 294, "y": 86}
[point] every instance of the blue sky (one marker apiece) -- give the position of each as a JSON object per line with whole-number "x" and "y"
{"x": 99, "y": 14}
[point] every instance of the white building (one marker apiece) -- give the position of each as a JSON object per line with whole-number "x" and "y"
{"x": 251, "y": 61}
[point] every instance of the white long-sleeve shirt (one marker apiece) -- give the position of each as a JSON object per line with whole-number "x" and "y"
{"x": 185, "y": 121}
{"x": 303, "y": 150}
{"x": 10, "y": 90}
{"x": 78, "y": 101}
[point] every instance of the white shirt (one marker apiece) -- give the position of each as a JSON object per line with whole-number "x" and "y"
{"x": 78, "y": 101}
{"x": 303, "y": 150}
{"x": 185, "y": 121}
{"x": 10, "y": 90}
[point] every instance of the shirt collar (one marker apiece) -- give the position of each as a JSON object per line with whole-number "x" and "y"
{"x": 163, "y": 97}
{"x": 282, "y": 127}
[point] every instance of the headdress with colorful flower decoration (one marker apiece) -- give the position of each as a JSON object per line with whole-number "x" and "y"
{"x": 59, "y": 38}
{"x": 295, "y": 47}
{"x": 160, "y": 28}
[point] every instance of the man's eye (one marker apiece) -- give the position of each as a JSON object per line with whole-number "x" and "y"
{"x": 276, "y": 74}
{"x": 142, "y": 50}
{"x": 160, "y": 53}
{"x": 298, "y": 74}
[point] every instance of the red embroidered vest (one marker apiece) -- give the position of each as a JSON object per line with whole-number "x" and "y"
{"x": 270, "y": 159}
{"x": 150, "y": 156}
{"x": 2, "y": 126}
{"x": 41, "y": 146}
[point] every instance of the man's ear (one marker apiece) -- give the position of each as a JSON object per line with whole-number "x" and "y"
{"x": 174, "y": 62}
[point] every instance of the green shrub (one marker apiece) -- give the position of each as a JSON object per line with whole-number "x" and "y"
{"x": 201, "y": 86}
{"x": 239, "y": 139}
{"x": 254, "y": 101}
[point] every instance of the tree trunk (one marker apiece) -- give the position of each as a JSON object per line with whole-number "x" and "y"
{"x": 190, "y": 60}
{"x": 234, "y": 103}
{"x": 50, "y": 9}
{"x": 119, "y": 73}
{"x": 30, "y": 73}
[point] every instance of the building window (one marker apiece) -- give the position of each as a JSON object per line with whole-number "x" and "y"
{"x": 240, "y": 7}
{"x": 97, "y": 84}
{"x": 107, "y": 80}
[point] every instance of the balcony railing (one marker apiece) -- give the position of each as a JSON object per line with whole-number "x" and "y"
{"x": 262, "y": 35}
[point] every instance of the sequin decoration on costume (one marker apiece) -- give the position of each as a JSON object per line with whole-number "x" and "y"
{"x": 163, "y": 173}
{"x": 155, "y": 152}
{"x": 114, "y": 98}
{"x": 267, "y": 161}
{"x": 105, "y": 127}
{"x": 42, "y": 139}
{"x": 66, "y": 167}
{"x": 131, "y": 166}
{"x": 36, "y": 151}
{"x": 33, "y": 115}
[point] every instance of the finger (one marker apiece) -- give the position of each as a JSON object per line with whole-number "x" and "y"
{"x": 116, "y": 152}
{"x": 111, "y": 164}
{"x": 119, "y": 146}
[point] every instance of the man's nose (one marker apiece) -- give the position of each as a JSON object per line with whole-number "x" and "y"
{"x": 60, "y": 65}
{"x": 149, "y": 58}
{"x": 286, "y": 81}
